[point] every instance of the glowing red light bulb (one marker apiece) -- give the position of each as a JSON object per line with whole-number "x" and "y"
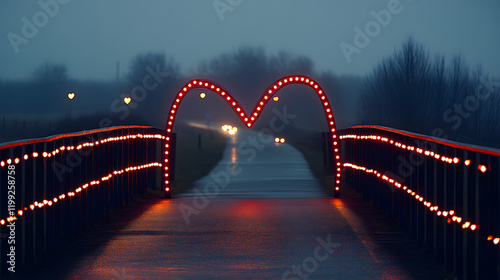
{"x": 482, "y": 168}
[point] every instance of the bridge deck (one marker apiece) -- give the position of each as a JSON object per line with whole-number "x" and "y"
{"x": 242, "y": 239}
{"x": 245, "y": 232}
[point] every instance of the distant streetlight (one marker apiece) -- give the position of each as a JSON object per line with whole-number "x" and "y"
{"x": 127, "y": 100}
{"x": 202, "y": 95}
{"x": 276, "y": 98}
{"x": 71, "y": 95}
{"x": 278, "y": 140}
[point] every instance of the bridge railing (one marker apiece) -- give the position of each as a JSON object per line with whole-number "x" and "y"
{"x": 444, "y": 194}
{"x": 53, "y": 187}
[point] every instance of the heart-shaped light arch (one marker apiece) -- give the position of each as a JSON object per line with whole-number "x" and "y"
{"x": 249, "y": 120}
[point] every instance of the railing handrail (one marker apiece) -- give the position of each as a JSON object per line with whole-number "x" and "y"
{"x": 454, "y": 144}
{"x": 72, "y": 134}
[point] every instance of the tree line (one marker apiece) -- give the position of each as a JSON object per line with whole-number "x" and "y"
{"x": 432, "y": 95}
{"x": 151, "y": 81}
{"x": 410, "y": 90}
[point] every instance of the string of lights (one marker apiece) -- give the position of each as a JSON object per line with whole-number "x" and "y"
{"x": 450, "y": 215}
{"x": 250, "y": 119}
{"x": 428, "y": 153}
{"x": 49, "y": 202}
{"x": 48, "y": 154}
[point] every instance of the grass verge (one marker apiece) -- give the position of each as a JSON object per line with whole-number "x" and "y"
{"x": 197, "y": 152}
{"x": 314, "y": 157}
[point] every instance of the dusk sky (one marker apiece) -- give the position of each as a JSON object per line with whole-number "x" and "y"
{"x": 90, "y": 37}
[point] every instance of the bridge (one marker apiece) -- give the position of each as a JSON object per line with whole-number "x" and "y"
{"x": 444, "y": 196}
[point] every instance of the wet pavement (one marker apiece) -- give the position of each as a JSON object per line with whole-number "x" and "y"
{"x": 254, "y": 166}
{"x": 243, "y": 239}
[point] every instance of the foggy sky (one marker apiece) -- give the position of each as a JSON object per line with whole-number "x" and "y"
{"x": 91, "y": 36}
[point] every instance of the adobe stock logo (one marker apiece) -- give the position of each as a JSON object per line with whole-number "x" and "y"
{"x": 225, "y": 6}
{"x": 363, "y": 38}
{"x": 40, "y": 19}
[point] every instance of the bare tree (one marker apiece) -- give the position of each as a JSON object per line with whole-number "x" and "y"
{"x": 397, "y": 91}
{"x": 285, "y": 63}
{"x": 439, "y": 94}
{"x": 49, "y": 73}
{"x": 408, "y": 91}
{"x": 143, "y": 64}
{"x": 151, "y": 82}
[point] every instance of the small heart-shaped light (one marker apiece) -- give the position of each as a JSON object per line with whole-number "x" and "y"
{"x": 276, "y": 98}
{"x": 71, "y": 95}
{"x": 127, "y": 100}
